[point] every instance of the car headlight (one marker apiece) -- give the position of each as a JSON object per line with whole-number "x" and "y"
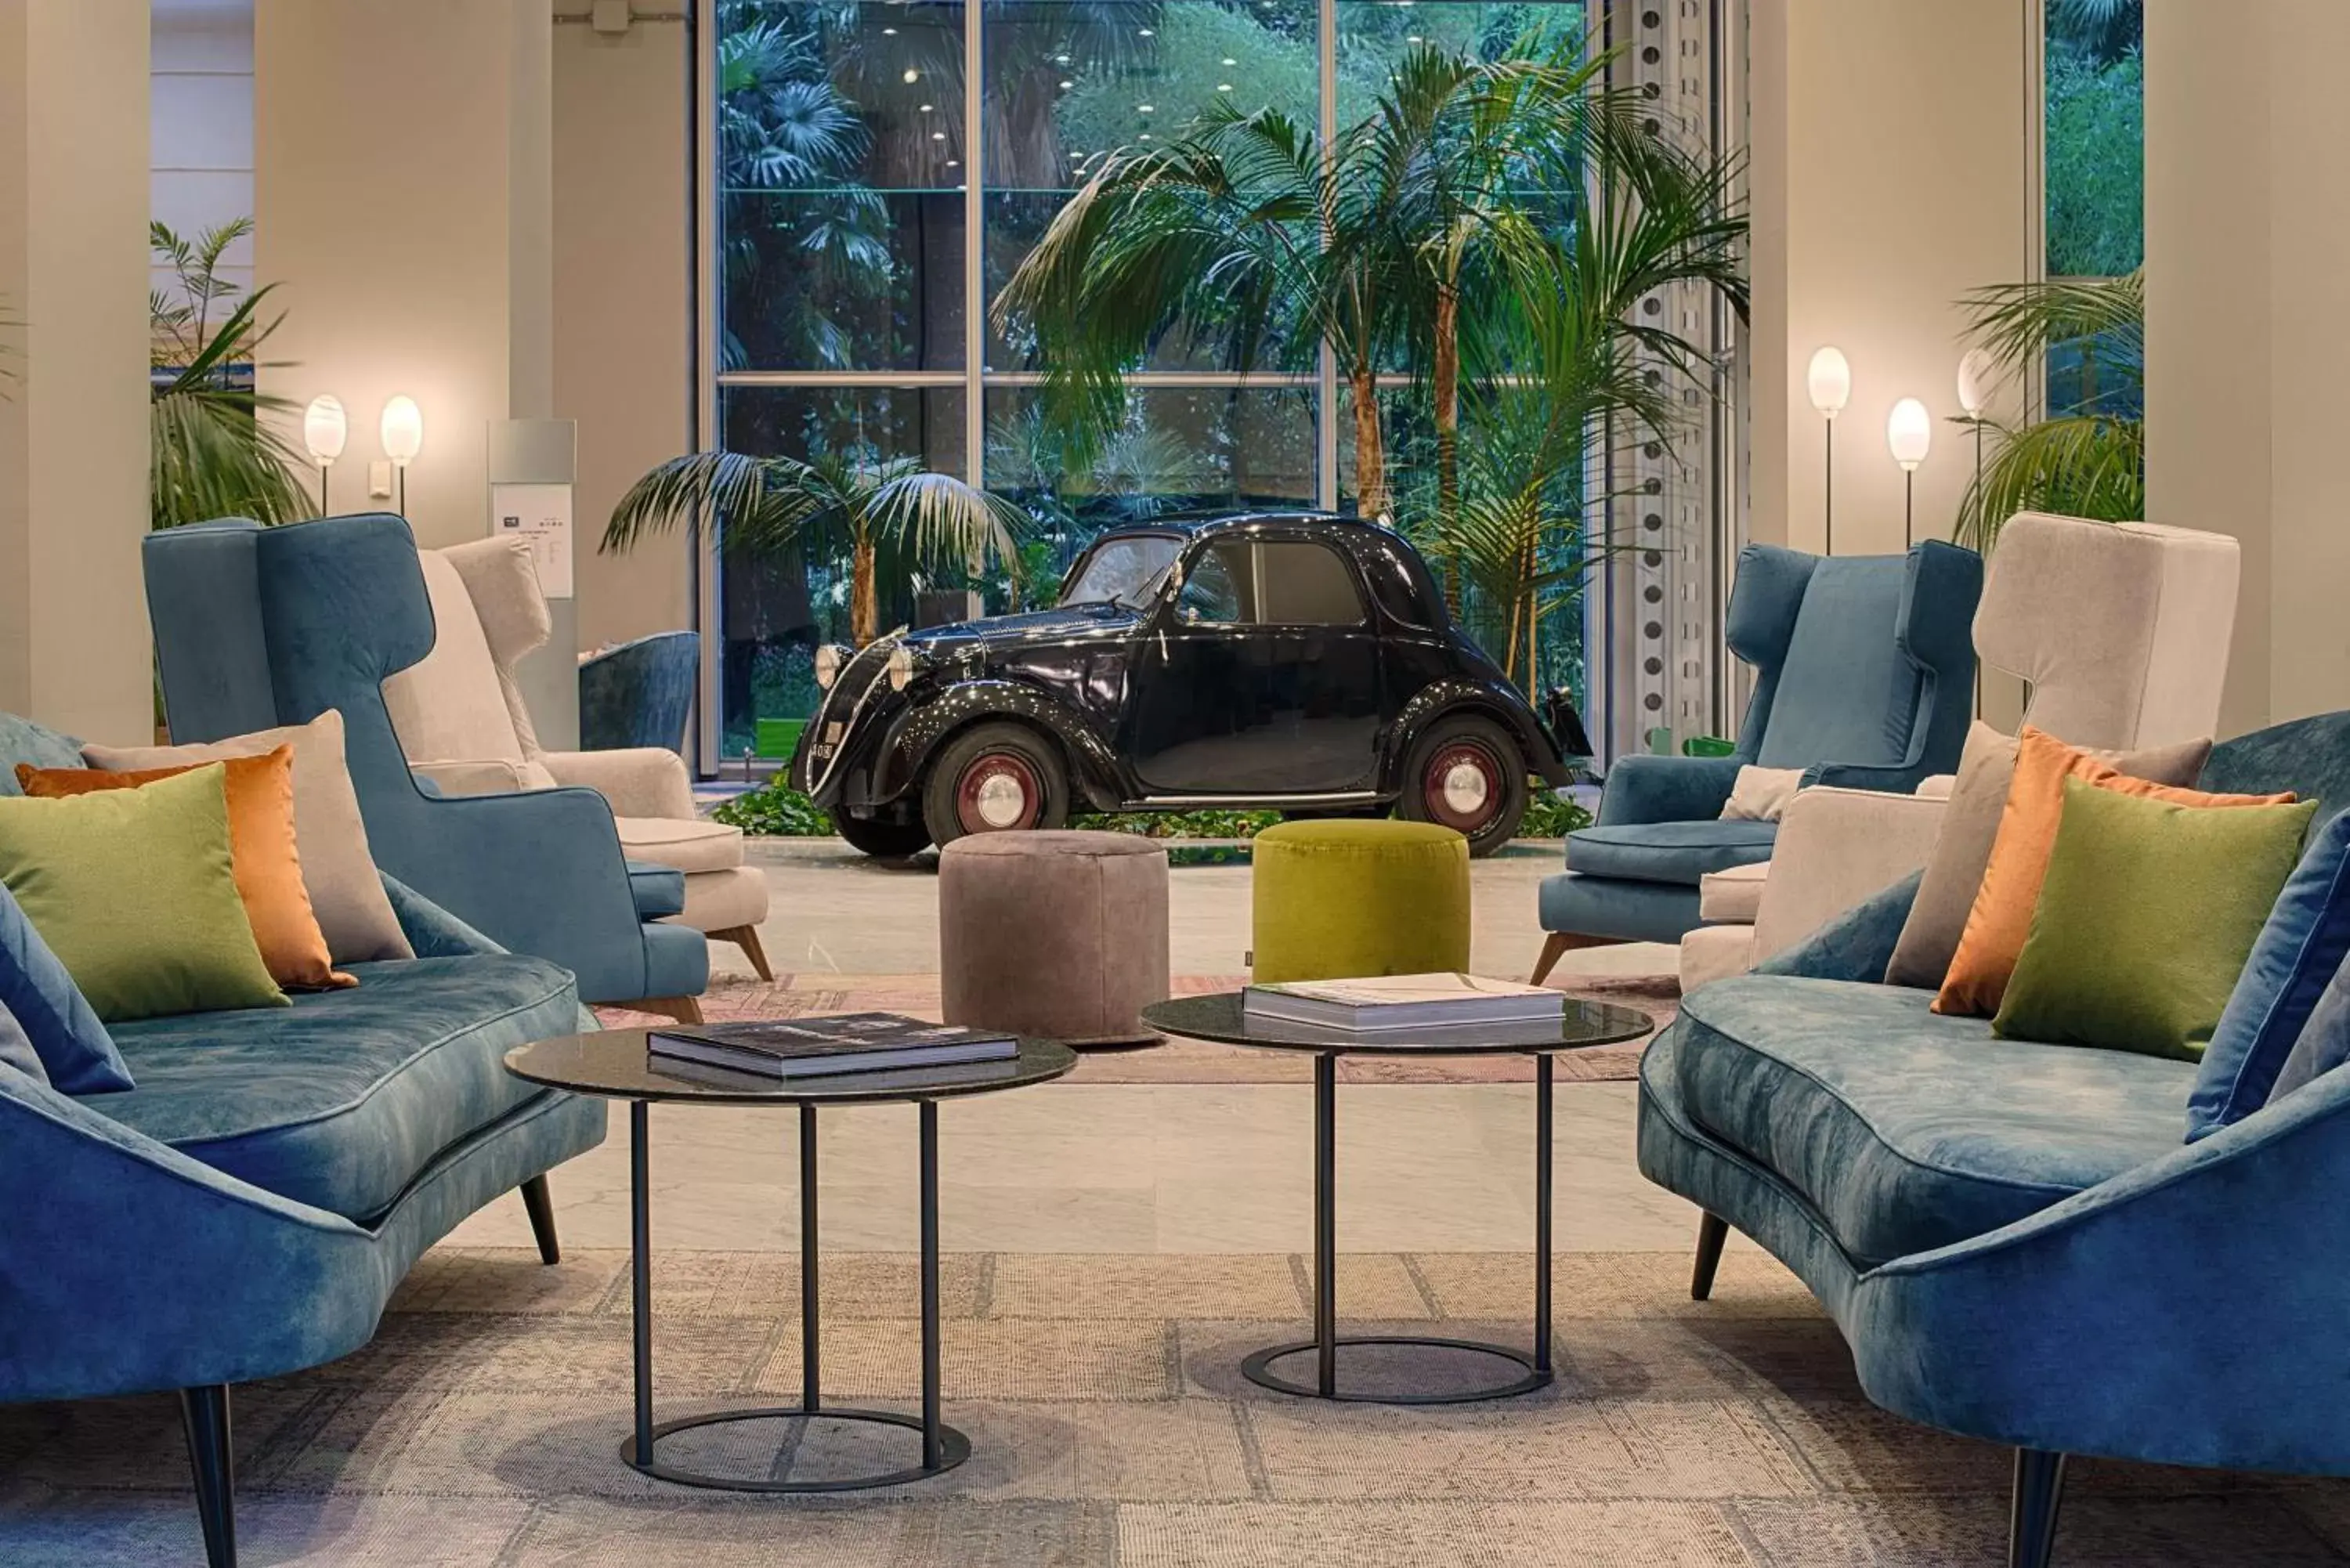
{"x": 828, "y": 666}
{"x": 901, "y": 667}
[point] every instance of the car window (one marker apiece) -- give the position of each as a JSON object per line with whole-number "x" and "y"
{"x": 1275, "y": 582}
{"x": 1122, "y": 569}
{"x": 1401, "y": 592}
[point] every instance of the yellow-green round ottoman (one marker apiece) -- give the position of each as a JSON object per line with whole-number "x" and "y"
{"x": 1335, "y": 900}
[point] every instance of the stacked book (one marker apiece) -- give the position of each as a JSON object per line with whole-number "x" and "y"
{"x": 1417, "y": 1003}
{"x": 836, "y": 1043}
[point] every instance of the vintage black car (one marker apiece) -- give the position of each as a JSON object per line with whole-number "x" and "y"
{"x": 1292, "y": 660}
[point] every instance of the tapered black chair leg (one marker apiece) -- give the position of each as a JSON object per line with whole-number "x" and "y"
{"x": 540, "y": 1205}
{"x": 2031, "y": 1518}
{"x": 1711, "y": 1232}
{"x": 204, "y": 1412}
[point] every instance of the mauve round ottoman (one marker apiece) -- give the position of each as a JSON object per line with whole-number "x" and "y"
{"x": 1057, "y": 934}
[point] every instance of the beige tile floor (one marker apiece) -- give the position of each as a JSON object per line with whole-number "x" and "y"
{"x": 1128, "y": 1167}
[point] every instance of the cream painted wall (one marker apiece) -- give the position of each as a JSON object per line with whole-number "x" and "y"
{"x": 73, "y": 645}
{"x": 623, "y": 319}
{"x": 403, "y": 199}
{"x": 2248, "y": 318}
{"x": 1891, "y": 175}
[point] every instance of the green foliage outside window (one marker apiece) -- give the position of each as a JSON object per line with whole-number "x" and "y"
{"x": 2097, "y": 164}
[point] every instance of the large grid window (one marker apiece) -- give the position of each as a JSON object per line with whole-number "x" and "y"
{"x": 868, "y": 205}
{"x": 2094, "y": 175}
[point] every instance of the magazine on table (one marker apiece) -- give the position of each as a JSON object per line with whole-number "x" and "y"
{"x": 1394, "y": 1002}
{"x": 835, "y": 1042}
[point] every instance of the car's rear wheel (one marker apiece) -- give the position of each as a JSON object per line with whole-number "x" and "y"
{"x": 1466, "y": 774}
{"x": 994, "y": 778}
{"x": 882, "y": 840}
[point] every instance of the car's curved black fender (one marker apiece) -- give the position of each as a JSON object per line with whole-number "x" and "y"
{"x": 917, "y": 734}
{"x": 1488, "y": 700}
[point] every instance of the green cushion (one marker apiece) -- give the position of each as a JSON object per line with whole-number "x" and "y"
{"x": 1337, "y": 899}
{"x": 133, "y": 890}
{"x": 2147, "y": 914}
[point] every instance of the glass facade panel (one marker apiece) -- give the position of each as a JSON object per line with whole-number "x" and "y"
{"x": 2095, "y": 127}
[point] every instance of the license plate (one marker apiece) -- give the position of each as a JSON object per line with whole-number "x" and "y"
{"x": 833, "y": 733}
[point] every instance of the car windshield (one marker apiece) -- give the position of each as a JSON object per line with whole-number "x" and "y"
{"x": 1122, "y": 570}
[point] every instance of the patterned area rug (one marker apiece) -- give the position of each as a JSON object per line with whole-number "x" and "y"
{"x": 1109, "y": 1426}
{"x": 1182, "y": 1061}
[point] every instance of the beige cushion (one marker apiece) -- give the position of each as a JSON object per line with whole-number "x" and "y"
{"x": 1715, "y": 952}
{"x": 1761, "y": 794}
{"x": 485, "y": 778}
{"x": 1731, "y": 895}
{"x": 1838, "y": 848}
{"x": 1054, "y": 933}
{"x": 1954, "y": 871}
{"x": 721, "y": 900}
{"x": 337, "y": 870}
{"x": 2121, "y": 629}
{"x": 450, "y": 706}
{"x": 689, "y": 845}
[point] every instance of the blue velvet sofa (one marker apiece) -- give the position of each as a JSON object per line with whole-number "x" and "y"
{"x": 256, "y": 628}
{"x": 247, "y": 1206}
{"x": 1864, "y": 677}
{"x": 639, "y": 692}
{"x": 2017, "y": 1240}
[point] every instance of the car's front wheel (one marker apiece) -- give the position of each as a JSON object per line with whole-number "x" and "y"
{"x": 994, "y": 778}
{"x": 1466, "y": 774}
{"x": 882, "y": 840}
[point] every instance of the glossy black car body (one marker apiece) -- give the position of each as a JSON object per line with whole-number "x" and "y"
{"x": 1296, "y": 661}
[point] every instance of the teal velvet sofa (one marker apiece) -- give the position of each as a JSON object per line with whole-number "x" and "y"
{"x": 1864, "y": 677}
{"x": 246, "y": 1208}
{"x": 2018, "y": 1240}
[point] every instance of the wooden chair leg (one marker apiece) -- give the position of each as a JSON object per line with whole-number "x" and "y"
{"x": 204, "y": 1412}
{"x": 1556, "y": 945}
{"x": 684, "y": 1008}
{"x": 539, "y": 1204}
{"x": 1711, "y": 1232}
{"x": 747, "y": 938}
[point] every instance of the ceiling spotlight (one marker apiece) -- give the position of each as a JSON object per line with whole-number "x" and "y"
{"x": 1060, "y": 59}
{"x": 954, "y": 162}
{"x": 1224, "y": 86}
{"x": 926, "y": 108}
{"x": 1067, "y": 85}
{"x": 1143, "y": 108}
{"x": 1229, "y": 61}
{"x": 1412, "y": 39}
{"x": 913, "y": 75}
{"x": 889, "y": 32}
{"x": 938, "y": 136}
{"x": 1145, "y": 32}
{"x": 1145, "y": 136}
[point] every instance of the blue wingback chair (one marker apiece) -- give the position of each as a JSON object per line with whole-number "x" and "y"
{"x": 257, "y": 628}
{"x": 639, "y": 693}
{"x": 1863, "y": 678}
{"x": 2017, "y": 1240}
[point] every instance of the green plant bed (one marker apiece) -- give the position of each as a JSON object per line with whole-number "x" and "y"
{"x": 1179, "y": 823}
{"x": 1552, "y": 816}
{"x": 775, "y": 810}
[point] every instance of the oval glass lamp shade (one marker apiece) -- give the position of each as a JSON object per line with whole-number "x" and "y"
{"x": 1976, "y": 368}
{"x": 324, "y": 429}
{"x": 1910, "y": 433}
{"x": 1829, "y": 381}
{"x": 404, "y": 429}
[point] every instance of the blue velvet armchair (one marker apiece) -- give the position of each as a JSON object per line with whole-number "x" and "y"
{"x": 639, "y": 692}
{"x": 258, "y": 627}
{"x": 1863, "y": 671}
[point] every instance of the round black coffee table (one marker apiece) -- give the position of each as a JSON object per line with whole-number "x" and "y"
{"x": 1223, "y": 1017}
{"x": 616, "y": 1066}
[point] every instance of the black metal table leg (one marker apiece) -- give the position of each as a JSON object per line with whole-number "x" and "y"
{"x": 930, "y": 1223}
{"x": 640, "y": 1263}
{"x": 1258, "y": 1367}
{"x": 811, "y": 1288}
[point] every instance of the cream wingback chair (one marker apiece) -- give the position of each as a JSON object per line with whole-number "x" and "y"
{"x": 460, "y": 718}
{"x": 2120, "y": 631}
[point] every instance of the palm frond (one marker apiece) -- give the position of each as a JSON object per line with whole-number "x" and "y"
{"x": 757, "y": 504}
{"x": 937, "y": 518}
{"x": 2079, "y": 465}
{"x": 212, "y": 456}
{"x": 2017, "y": 323}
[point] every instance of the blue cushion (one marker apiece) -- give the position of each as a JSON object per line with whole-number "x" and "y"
{"x": 2324, "y": 1043}
{"x": 22, "y": 741}
{"x": 1679, "y": 852}
{"x": 659, "y": 890}
{"x": 16, "y": 1049}
{"x": 73, "y": 1045}
{"x": 1846, "y": 693}
{"x": 2298, "y": 950}
{"x": 1610, "y": 907}
{"x": 1906, "y": 1130}
{"x": 344, "y": 1098}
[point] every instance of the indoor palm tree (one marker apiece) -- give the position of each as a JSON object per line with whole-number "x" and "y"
{"x": 2087, "y": 459}
{"x": 831, "y": 506}
{"x": 214, "y": 452}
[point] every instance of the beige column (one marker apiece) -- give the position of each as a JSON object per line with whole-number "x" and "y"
{"x": 74, "y": 647}
{"x": 2247, "y": 210}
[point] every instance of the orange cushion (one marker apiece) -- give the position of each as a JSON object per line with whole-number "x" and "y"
{"x": 262, "y": 853}
{"x": 2001, "y": 917}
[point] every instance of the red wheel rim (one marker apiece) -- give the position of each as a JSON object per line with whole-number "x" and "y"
{"x": 997, "y": 793}
{"x": 1464, "y": 787}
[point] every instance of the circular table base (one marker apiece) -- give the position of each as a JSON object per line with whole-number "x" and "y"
{"x": 953, "y": 1449}
{"x": 1258, "y": 1369}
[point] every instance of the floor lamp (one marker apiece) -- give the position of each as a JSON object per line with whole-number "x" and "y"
{"x": 1908, "y": 432}
{"x": 402, "y": 428}
{"x": 1829, "y": 381}
{"x": 1975, "y": 370}
{"x": 323, "y": 431}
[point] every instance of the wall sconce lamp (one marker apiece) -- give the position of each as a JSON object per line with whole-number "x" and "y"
{"x": 1909, "y": 434}
{"x": 1829, "y": 381}
{"x": 324, "y": 430}
{"x": 402, "y": 428}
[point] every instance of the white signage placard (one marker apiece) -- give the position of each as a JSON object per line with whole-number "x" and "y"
{"x": 539, "y": 515}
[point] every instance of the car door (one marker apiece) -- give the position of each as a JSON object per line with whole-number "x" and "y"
{"x": 1260, "y": 677}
